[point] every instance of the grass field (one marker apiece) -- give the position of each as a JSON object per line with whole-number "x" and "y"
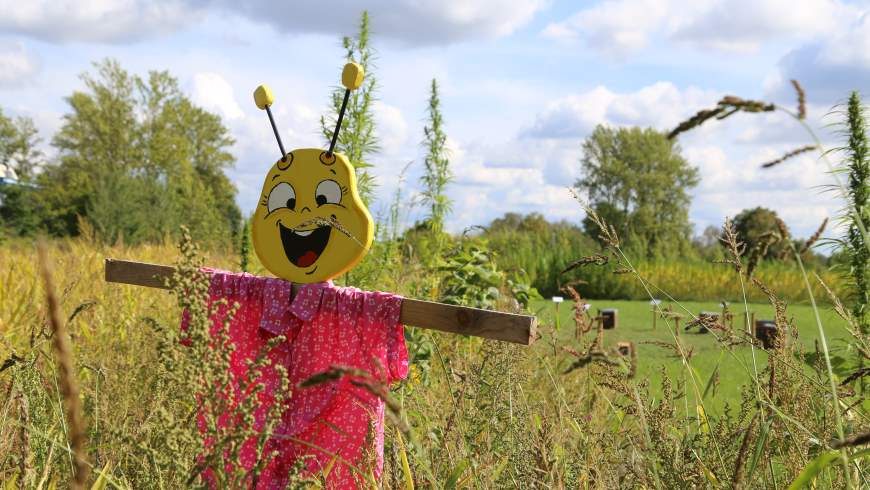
{"x": 735, "y": 367}
{"x": 476, "y": 413}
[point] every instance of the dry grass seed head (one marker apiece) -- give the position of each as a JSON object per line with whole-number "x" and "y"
{"x": 802, "y": 99}
{"x": 726, "y": 107}
{"x": 68, "y": 379}
{"x": 788, "y": 155}
{"x": 814, "y": 238}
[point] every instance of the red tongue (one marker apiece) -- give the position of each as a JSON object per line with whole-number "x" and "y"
{"x": 307, "y": 259}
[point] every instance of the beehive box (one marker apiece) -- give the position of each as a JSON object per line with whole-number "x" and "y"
{"x": 608, "y": 317}
{"x": 767, "y": 332}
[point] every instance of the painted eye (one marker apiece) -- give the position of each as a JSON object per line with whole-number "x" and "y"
{"x": 282, "y": 196}
{"x": 328, "y": 192}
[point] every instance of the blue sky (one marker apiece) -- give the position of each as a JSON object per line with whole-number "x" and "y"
{"x": 523, "y": 82}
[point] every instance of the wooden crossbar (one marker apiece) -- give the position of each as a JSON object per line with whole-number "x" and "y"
{"x": 508, "y": 327}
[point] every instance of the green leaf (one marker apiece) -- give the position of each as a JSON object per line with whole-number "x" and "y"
{"x": 498, "y": 469}
{"x": 712, "y": 378}
{"x": 454, "y": 476}
{"x": 812, "y": 470}
{"x": 11, "y": 483}
{"x": 101, "y": 481}
{"x": 759, "y": 446}
{"x": 406, "y": 468}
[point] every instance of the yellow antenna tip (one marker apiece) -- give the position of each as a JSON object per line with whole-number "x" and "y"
{"x": 352, "y": 76}
{"x": 263, "y": 96}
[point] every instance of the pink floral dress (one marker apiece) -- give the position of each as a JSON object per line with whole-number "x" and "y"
{"x": 331, "y": 427}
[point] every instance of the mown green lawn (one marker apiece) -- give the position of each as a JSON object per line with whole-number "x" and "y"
{"x": 635, "y": 323}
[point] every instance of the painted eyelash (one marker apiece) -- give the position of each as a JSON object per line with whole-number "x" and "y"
{"x": 343, "y": 190}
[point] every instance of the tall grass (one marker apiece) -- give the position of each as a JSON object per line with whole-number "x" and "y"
{"x": 567, "y": 412}
{"x": 542, "y": 256}
{"x": 478, "y": 413}
{"x": 857, "y": 246}
{"x": 696, "y": 280}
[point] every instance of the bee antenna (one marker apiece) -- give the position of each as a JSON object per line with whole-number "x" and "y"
{"x": 338, "y": 123}
{"x": 351, "y": 77}
{"x": 263, "y": 97}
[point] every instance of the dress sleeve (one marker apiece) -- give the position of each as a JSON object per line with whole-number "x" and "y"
{"x": 383, "y": 334}
{"x": 397, "y": 352}
{"x": 212, "y": 296}
{"x": 262, "y": 298}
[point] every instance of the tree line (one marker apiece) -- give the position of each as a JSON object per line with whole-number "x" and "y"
{"x": 135, "y": 158}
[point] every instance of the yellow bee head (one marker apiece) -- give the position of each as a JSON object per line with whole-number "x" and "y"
{"x": 310, "y": 224}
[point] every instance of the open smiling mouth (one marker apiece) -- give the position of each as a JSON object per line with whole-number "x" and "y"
{"x": 303, "y": 248}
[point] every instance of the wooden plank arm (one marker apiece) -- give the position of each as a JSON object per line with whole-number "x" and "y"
{"x": 509, "y": 327}
{"x": 138, "y": 273}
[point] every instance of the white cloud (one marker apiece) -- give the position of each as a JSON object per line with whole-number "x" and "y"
{"x": 212, "y": 92}
{"x": 732, "y": 178}
{"x": 828, "y": 68}
{"x": 743, "y": 25}
{"x": 390, "y": 127}
{"x": 17, "y": 65}
{"x": 660, "y": 105}
{"x": 95, "y": 20}
{"x": 619, "y": 28}
{"x": 482, "y": 191}
{"x": 615, "y": 27}
{"x": 849, "y": 45}
{"x": 727, "y": 153}
{"x": 415, "y": 22}
{"x": 572, "y": 116}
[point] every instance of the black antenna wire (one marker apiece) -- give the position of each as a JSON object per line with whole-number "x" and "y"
{"x": 337, "y": 124}
{"x": 278, "y": 136}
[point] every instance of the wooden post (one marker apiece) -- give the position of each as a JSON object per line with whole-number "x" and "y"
{"x": 624, "y": 348}
{"x": 495, "y": 325}
{"x": 654, "y": 308}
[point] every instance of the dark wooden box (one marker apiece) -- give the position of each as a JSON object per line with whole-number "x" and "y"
{"x": 766, "y": 332}
{"x": 608, "y": 318}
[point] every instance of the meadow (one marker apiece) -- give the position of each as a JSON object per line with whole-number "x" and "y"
{"x": 100, "y": 388}
{"x": 728, "y": 370}
{"x": 694, "y": 410}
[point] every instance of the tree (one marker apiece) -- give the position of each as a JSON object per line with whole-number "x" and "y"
{"x": 536, "y": 250}
{"x": 639, "y": 182}
{"x": 709, "y": 243}
{"x": 137, "y": 159}
{"x": 761, "y": 228}
{"x": 18, "y": 152}
{"x": 357, "y": 139}
{"x": 437, "y": 173}
{"x": 533, "y": 223}
{"x": 19, "y": 157}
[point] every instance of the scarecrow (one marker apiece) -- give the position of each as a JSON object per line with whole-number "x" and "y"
{"x": 310, "y": 226}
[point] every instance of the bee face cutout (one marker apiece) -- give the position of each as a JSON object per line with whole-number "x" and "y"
{"x": 310, "y": 224}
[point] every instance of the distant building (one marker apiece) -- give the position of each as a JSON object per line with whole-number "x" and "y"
{"x": 7, "y": 175}
{"x": 9, "y": 178}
